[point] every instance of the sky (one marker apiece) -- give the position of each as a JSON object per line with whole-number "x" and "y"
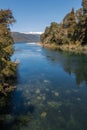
{"x": 35, "y": 15}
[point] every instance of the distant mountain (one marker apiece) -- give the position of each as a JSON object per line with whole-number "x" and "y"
{"x": 23, "y": 37}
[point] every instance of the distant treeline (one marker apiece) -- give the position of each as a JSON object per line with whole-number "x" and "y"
{"x": 7, "y": 68}
{"x": 71, "y": 31}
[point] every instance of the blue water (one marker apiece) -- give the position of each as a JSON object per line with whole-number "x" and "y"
{"x": 51, "y": 90}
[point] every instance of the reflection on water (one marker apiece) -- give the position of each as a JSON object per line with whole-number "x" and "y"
{"x": 51, "y": 91}
{"x": 75, "y": 65}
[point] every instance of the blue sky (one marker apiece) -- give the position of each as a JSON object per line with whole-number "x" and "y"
{"x": 35, "y": 15}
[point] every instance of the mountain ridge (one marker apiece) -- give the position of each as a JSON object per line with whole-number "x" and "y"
{"x": 23, "y": 37}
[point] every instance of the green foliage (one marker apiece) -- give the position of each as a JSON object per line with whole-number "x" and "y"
{"x": 7, "y": 68}
{"x": 73, "y": 29}
{"x": 53, "y": 34}
{"x": 71, "y": 24}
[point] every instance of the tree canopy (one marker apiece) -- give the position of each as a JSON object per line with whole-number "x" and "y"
{"x": 7, "y": 68}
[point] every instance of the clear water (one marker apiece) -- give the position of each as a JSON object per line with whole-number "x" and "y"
{"x": 51, "y": 91}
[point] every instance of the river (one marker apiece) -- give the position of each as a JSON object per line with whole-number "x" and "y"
{"x": 51, "y": 91}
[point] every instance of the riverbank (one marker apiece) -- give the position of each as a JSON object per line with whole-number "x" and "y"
{"x": 8, "y": 79}
{"x": 78, "y": 49}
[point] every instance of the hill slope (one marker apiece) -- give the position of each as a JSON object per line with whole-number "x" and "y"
{"x": 22, "y": 37}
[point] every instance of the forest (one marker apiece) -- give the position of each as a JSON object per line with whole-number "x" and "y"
{"x": 70, "y": 34}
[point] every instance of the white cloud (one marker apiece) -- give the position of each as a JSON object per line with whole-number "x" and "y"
{"x": 32, "y": 32}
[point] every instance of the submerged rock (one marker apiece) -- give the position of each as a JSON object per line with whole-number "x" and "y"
{"x": 28, "y": 103}
{"x": 26, "y": 91}
{"x": 68, "y": 91}
{"x": 43, "y": 114}
{"x": 78, "y": 99}
{"x": 47, "y": 89}
{"x": 37, "y": 91}
{"x": 44, "y": 97}
{"x": 46, "y": 81}
{"x": 39, "y": 97}
{"x": 56, "y": 94}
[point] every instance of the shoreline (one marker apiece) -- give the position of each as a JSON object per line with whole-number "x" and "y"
{"x": 77, "y": 49}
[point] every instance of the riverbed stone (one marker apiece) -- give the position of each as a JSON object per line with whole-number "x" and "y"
{"x": 44, "y": 114}
{"x": 56, "y": 94}
{"x": 37, "y": 91}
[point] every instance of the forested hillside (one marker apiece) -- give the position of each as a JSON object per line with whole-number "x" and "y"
{"x": 7, "y": 68}
{"x": 71, "y": 33}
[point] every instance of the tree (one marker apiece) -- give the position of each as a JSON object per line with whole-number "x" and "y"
{"x": 7, "y": 68}
{"x": 81, "y": 27}
{"x": 71, "y": 24}
{"x": 53, "y": 34}
{"x": 84, "y": 5}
